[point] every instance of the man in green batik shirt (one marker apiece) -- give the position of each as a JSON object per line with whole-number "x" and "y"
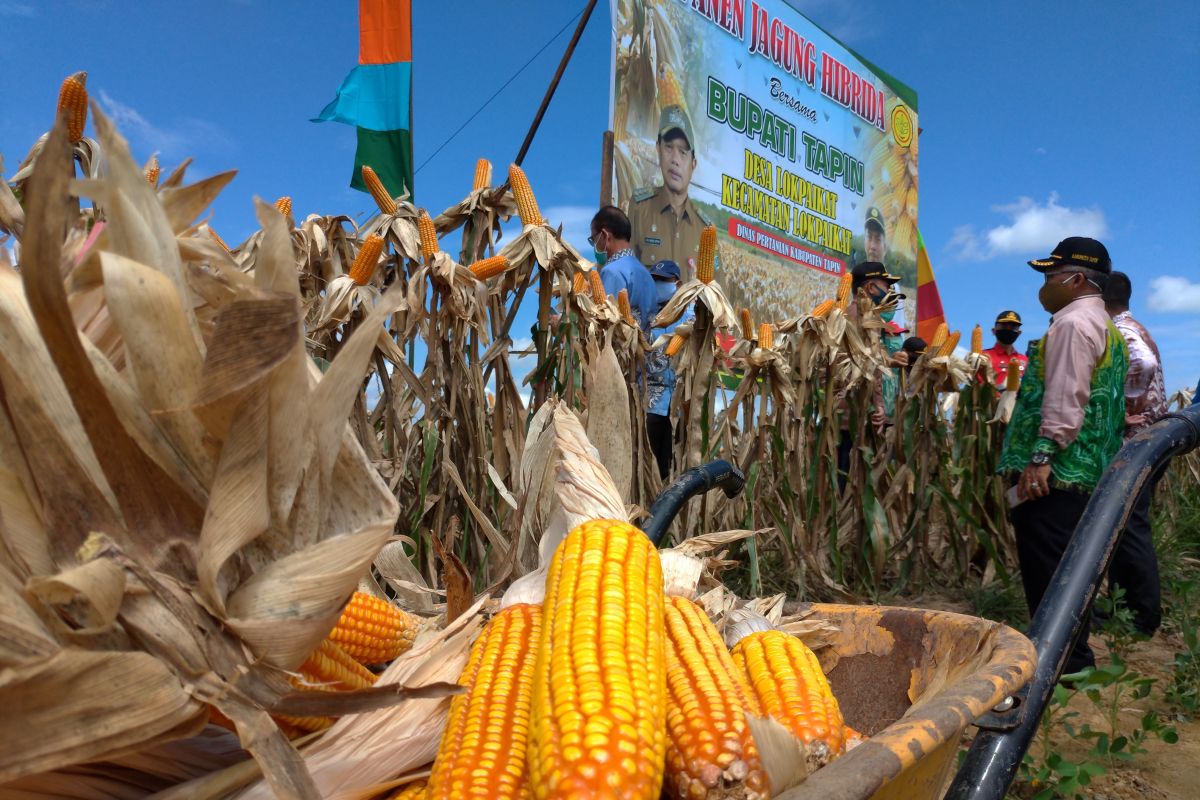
{"x": 1069, "y": 419}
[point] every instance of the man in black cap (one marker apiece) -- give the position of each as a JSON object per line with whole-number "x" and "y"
{"x": 666, "y": 224}
{"x": 1069, "y": 418}
{"x": 660, "y": 376}
{"x": 1002, "y": 354}
{"x": 874, "y": 236}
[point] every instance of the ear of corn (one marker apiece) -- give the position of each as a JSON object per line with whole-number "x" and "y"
{"x": 579, "y": 283}
{"x": 790, "y": 687}
{"x": 747, "y": 324}
{"x": 951, "y": 342}
{"x": 216, "y": 238}
{"x": 706, "y": 260}
{"x": 483, "y": 748}
{"x": 366, "y": 260}
{"x": 1012, "y": 381}
{"x": 527, "y": 206}
{"x": 674, "y": 344}
{"x": 429, "y": 239}
{"x": 710, "y": 750}
{"x": 378, "y": 193}
{"x": 73, "y": 98}
{"x": 483, "y": 175}
{"x": 823, "y": 308}
{"x": 766, "y": 335}
{"x": 599, "y": 698}
{"x": 489, "y": 267}
{"x": 624, "y": 308}
{"x": 939, "y": 338}
{"x": 153, "y": 170}
{"x": 977, "y": 340}
{"x": 373, "y": 631}
{"x": 284, "y": 206}
{"x": 411, "y": 791}
{"x": 844, "y": 290}
{"x": 332, "y": 666}
{"x": 597, "y": 286}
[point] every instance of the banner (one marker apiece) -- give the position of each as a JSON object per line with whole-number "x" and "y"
{"x": 748, "y": 116}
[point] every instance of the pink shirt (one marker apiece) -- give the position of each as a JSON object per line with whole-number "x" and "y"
{"x": 1074, "y": 344}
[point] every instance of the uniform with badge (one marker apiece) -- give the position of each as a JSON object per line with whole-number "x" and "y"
{"x": 659, "y": 234}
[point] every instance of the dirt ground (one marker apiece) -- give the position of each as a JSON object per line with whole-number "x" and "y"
{"x": 1164, "y": 771}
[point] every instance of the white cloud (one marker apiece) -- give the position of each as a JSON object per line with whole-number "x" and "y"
{"x": 1173, "y": 294}
{"x": 177, "y": 141}
{"x": 1035, "y": 229}
{"x": 1041, "y": 151}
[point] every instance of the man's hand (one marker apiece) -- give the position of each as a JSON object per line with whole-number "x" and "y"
{"x": 900, "y": 359}
{"x": 1034, "y": 482}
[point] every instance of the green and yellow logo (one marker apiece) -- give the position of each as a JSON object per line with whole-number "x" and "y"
{"x": 902, "y": 127}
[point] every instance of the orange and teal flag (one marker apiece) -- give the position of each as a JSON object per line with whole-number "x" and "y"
{"x": 376, "y": 97}
{"x": 929, "y": 302}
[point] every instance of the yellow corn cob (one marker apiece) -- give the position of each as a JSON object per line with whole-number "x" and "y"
{"x": 823, "y": 308}
{"x": 73, "y": 98}
{"x": 599, "y": 692}
{"x": 766, "y": 335}
{"x": 429, "y": 239}
{"x": 482, "y": 753}
{"x": 1012, "y": 381}
{"x": 331, "y": 666}
{"x": 624, "y": 308}
{"x": 218, "y": 240}
{"x": 153, "y": 170}
{"x": 527, "y": 206}
{"x": 977, "y": 340}
{"x": 284, "y": 206}
{"x": 939, "y": 338}
{"x": 706, "y": 259}
{"x": 790, "y": 687}
{"x": 747, "y": 324}
{"x": 489, "y": 267}
{"x": 597, "y": 287}
{"x": 378, "y": 193}
{"x": 366, "y": 260}
{"x": 843, "y": 292}
{"x": 710, "y": 750}
{"x": 951, "y": 342}
{"x": 483, "y": 175}
{"x": 411, "y": 791}
{"x": 373, "y": 631}
{"x": 676, "y": 341}
{"x": 579, "y": 283}
{"x": 304, "y": 724}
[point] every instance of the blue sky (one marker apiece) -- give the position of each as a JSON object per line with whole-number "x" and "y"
{"x": 1040, "y": 120}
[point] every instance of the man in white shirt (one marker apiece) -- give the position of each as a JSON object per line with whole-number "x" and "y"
{"x": 1135, "y": 566}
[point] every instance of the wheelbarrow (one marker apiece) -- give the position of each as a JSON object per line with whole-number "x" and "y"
{"x": 914, "y": 680}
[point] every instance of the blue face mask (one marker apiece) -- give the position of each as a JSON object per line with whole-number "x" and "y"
{"x": 665, "y": 290}
{"x": 601, "y": 256}
{"x": 887, "y": 316}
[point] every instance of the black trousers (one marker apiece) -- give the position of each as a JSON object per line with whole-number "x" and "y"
{"x": 1043, "y": 527}
{"x": 658, "y": 431}
{"x": 1135, "y": 566}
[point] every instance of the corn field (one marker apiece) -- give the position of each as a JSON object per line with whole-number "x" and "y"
{"x": 206, "y": 449}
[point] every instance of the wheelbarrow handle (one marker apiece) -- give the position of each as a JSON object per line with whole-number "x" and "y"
{"x": 695, "y": 481}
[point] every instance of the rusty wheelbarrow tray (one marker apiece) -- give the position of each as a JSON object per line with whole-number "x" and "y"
{"x": 912, "y": 680}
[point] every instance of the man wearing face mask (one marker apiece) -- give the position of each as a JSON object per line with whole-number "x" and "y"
{"x": 1069, "y": 418}
{"x": 619, "y": 267}
{"x": 872, "y": 280}
{"x": 660, "y": 376}
{"x": 1002, "y": 354}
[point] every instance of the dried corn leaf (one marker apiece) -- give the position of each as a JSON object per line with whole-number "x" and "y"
{"x": 608, "y": 425}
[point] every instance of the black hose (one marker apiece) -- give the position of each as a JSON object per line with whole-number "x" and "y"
{"x": 1000, "y": 745}
{"x": 695, "y": 481}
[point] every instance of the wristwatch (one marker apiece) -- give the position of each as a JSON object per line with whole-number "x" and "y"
{"x": 1039, "y": 459}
